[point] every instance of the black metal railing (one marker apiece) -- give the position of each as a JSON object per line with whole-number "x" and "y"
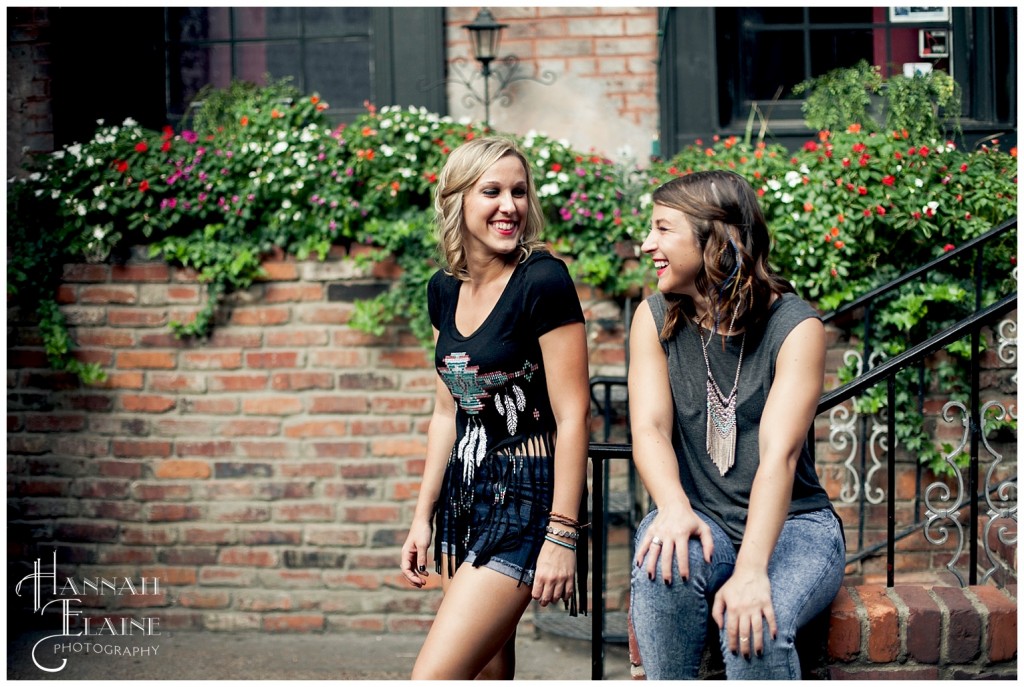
{"x": 885, "y": 372}
{"x": 970, "y": 326}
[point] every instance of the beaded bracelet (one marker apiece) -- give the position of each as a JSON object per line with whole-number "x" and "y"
{"x": 560, "y": 543}
{"x": 562, "y": 533}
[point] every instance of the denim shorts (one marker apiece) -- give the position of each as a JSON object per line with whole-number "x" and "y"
{"x": 511, "y": 502}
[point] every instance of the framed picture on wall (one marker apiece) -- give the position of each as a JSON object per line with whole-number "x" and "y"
{"x": 913, "y": 15}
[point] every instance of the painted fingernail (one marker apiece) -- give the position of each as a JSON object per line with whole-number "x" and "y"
{"x": 423, "y": 568}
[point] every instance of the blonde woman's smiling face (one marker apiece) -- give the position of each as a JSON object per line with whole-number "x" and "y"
{"x": 673, "y": 246}
{"x": 494, "y": 209}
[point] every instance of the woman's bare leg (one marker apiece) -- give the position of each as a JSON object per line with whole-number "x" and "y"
{"x": 474, "y": 630}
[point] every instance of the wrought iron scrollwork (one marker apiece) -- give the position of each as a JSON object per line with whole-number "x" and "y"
{"x": 1006, "y": 493}
{"x": 936, "y": 514}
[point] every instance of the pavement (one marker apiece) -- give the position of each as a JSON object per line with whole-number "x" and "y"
{"x": 541, "y": 655}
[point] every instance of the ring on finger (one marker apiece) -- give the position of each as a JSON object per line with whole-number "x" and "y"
{"x": 655, "y": 541}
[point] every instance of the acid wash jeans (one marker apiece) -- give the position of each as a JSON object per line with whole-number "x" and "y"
{"x": 670, "y": 621}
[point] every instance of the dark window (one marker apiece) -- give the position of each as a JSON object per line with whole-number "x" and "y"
{"x": 327, "y": 50}
{"x": 774, "y": 49}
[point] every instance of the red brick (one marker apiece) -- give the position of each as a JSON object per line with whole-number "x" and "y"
{"x": 162, "y": 340}
{"x": 289, "y": 338}
{"x": 182, "y": 294}
{"x": 119, "y": 555}
{"x": 338, "y": 359}
{"x": 293, "y": 623}
{"x": 148, "y": 491}
{"x": 203, "y": 360}
{"x": 42, "y": 487}
{"x": 173, "y": 512}
{"x": 262, "y": 601}
{"x": 239, "y": 513}
{"x": 141, "y": 448}
{"x": 405, "y": 359}
{"x": 101, "y": 489}
{"x": 844, "y": 631}
{"x": 280, "y": 271}
{"x": 147, "y": 403}
{"x": 270, "y": 537}
{"x": 393, "y": 405}
{"x": 149, "y": 272}
{"x": 268, "y": 449}
{"x": 208, "y": 535}
{"x": 301, "y": 381}
{"x": 25, "y": 358}
{"x": 399, "y": 447}
{"x": 169, "y": 381}
{"x": 897, "y": 672}
{"x": 263, "y": 428}
{"x": 101, "y": 358}
{"x": 405, "y": 491}
{"x": 260, "y": 317}
{"x": 91, "y": 532}
{"x": 963, "y": 631}
{"x": 334, "y": 405}
{"x": 380, "y": 427}
{"x": 1001, "y": 628}
{"x": 923, "y": 616}
{"x": 333, "y": 315}
{"x": 85, "y": 273}
{"x": 145, "y": 359}
{"x": 147, "y": 536}
{"x": 318, "y": 470}
{"x": 319, "y": 428}
{"x": 226, "y": 337}
{"x": 215, "y": 576}
{"x": 204, "y": 599}
{"x": 272, "y": 405}
{"x": 272, "y": 360}
{"x": 335, "y": 536}
{"x": 108, "y": 294}
{"x": 368, "y": 470}
{"x": 182, "y": 469}
{"x": 136, "y": 317}
{"x": 284, "y": 293}
{"x": 257, "y": 558}
{"x": 172, "y": 575}
{"x": 211, "y": 406}
{"x": 205, "y": 448}
{"x": 121, "y": 380}
{"x": 304, "y": 512}
{"x": 91, "y": 402}
{"x": 120, "y": 468}
{"x": 54, "y": 423}
{"x": 121, "y": 511}
{"x": 241, "y": 382}
{"x": 371, "y": 513}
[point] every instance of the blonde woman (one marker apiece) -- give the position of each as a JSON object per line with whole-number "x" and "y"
{"x": 507, "y": 442}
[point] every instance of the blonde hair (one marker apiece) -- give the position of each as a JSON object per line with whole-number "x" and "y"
{"x": 461, "y": 171}
{"x": 735, "y": 276}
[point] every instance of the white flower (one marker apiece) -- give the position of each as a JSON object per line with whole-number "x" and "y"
{"x": 99, "y": 122}
{"x": 298, "y": 184}
{"x": 307, "y": 135}
{"x": 934, "y": 205}
{"x": 58, "y": 155}
{"x": 35, "y": 176}
{"x": 786, "y": 198}
{"x": 76, "y": 150}
{"x": 297, "y": 216}
{"x": 81, "y": 209}
{"x": 465, "y": 121}
{"x": 548, "y": 190}
{"x": 412, "y": 138}
{"x": 385, "y": 123}
{"x": 918, "y": 182}
{"x": 387, "y": 150}
{"x": 279, "y": 147}
{"x": 563, "y": 177}
{"x": 129, "y": 122}
{"x": 796, "y": 216}
{"x": 804, "y": 169}
{"x": 286, "y": 203}
{"x": 54, "y": 194}
{"x": 544, "y": 152}
{"x": 406, "y": 172}
{"x": 101, "y": 205}
{"x": 645, "y": 200}
{"x": 792, "y": 178}
{"x": 774, "y": 185}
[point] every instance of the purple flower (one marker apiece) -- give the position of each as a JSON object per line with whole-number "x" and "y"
{"x": 580, "y": 172}
{"x": 599, "y": 216}
{"x": 202, "y": 196}
{"x": 566, "y": 214}
{"x": 190, "y": 136}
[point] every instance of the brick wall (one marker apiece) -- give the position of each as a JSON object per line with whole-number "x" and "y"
{"x": 29, "y": 111}
{"x": 604, "y": 63}
{"x": 267, "y": 476}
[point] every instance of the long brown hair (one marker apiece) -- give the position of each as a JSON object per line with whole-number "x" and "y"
{"x": 733, "y": 235}
{"x": 464, "y": 167}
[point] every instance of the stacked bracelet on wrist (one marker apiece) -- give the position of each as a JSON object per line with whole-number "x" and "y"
{"x": 573, "y": 533}
{"x": 562, "y": 533}
{"x": 559, "y": 542}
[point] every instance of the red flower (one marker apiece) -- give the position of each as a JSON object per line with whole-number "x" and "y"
{"x": 166, "y": 146}
{"x": 967, "y": 215}
{"x": 244, "y": 121}
{"x": 859, "y": 147}
{"x": 839, "y": 244}
{"x": 760, "y": 192}
{"x": 810, "y": 146}
{"x": 141, "y": 147}
{"x": 168, "y": 131}
{"x": 880, "y": 210}
{"x": 808, "y": 207}
{"x": 834, "y": 273}
{"x": 556, "y": 167}
{"x": 835, "y": 230}
{"x": 867, "y": 212}
{"x": 862, "y": 191}
{"x": 846, "y": 162}
{"x": 314, "y": 99}
{"x": 889, "y": 180}
{"x": 948, "y": 247}
{"x": 915, "y": 215}
{"x": 898, "y": 155}
{"x": 143, "y": 185}
{"x": 963, "y": 167}
{"x": 853, "y": 129}
{"x": 121, "y": 166}
{"x": 924, "y": 151}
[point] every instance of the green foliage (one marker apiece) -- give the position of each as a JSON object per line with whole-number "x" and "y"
{"x": 841, "y": 97}
{"x": 922, "y": 105}
{"x": 258, "y": 171}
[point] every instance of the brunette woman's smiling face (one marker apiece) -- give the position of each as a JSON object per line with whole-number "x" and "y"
{"x": 672, "y": 244}
{"x": 494, "y": 209}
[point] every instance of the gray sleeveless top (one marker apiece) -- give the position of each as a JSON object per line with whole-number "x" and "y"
{"x": 727, "y": 499}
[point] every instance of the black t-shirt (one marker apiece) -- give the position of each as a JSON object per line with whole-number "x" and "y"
{"x": 505, "y": 427}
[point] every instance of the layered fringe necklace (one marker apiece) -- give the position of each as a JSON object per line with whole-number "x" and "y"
{"x": 721, "y": 430}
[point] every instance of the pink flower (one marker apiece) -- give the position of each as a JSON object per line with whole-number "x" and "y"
{"x": 948, "y": 247}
